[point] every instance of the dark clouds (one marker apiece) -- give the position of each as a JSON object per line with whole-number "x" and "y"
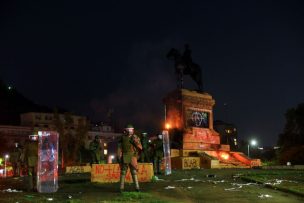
{"x": 91, "y": 57}
{"x": 148, "y": 78}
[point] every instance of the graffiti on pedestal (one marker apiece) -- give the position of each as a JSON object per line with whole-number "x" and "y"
{"x": 197, "y": 118}
{"x": 191, "y": 162}
{"x": 111, "y": 173}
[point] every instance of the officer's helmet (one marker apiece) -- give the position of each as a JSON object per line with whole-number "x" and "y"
{"x": 129, "y": 129}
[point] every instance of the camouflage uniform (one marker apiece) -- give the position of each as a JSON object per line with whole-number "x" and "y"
{"x": 158, "y": 154}
{"x": 128, "y": 148}
{"x": 95, "y": 151}
{"x": 144, "y": 155}
{"x": 31, "y": 159}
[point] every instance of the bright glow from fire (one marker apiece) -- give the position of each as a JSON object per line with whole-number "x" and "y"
{"x": 224, "y": 156}
{"x": 168, "y": 126}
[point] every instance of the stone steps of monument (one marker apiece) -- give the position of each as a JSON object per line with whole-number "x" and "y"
{"x": 233, "y": 163}
{"x": 233, "y": 166}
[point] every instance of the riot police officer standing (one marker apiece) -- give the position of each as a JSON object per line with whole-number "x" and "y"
{"x": 128, "y": 149}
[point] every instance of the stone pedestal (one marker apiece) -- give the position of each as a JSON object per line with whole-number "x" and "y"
{"x": 190, "y": 116}
{"x": 191, "y": 113}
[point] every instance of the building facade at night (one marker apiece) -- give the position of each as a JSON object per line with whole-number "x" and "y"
{"x": 32, "y": 122}
{"x": 15, "y": 134}
{"x": 228, "y": 133}
{"x": 45, "y": 121}
{"x": 107, "y": 136}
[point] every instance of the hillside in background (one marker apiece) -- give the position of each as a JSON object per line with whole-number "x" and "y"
{"x": 13, "y": 103}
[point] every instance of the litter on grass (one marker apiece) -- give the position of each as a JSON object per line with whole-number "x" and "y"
{"x": 11, "y": 190}
{"x": 216, "y": 181}
{"x": 238, "y": 186}
{"x": 263, "y": 196}
{"x": 211, "y": 176}
{"x": 190, "y": 179}
{"x": 169, "y": 187}
{"x": 278, "y": 182}
{"x": 189, "y": 187}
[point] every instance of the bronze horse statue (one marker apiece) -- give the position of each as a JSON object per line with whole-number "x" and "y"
{"x": 185, "y": 66}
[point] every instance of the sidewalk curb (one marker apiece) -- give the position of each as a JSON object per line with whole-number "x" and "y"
{"x": 273, "y": 187}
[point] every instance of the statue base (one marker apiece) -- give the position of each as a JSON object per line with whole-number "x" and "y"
{"x": 191, "y": 117}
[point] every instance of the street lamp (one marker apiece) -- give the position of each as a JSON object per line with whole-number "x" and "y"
{"x": 252, "y": 143}
{"x": 5, "y": 158}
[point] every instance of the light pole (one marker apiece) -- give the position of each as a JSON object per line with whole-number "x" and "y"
{"x": 252, "y": 143}
{"x": 5, "y": 158}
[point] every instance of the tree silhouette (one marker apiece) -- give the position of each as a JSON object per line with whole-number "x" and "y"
{"x": 291, "y": 140}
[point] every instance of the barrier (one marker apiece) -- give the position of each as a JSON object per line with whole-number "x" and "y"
{"x": 174, "y": 152}
{"x": 185, "y": 162}
{"x": 110, "y": 173}
{"x": 78, "y": 169}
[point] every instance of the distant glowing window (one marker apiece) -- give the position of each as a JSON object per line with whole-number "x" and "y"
{"x": 105, "y": 151}
{"x": 104, "y": 144}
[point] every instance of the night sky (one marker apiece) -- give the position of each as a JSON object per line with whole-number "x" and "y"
{"x": 93, "y": 56}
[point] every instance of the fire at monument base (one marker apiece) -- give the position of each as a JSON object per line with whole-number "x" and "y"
{"x": 194, "y": 142}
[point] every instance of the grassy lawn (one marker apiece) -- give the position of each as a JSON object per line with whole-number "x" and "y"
{"x": 218, "y": 185}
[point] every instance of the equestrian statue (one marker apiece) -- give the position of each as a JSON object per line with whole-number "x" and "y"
{"x": 185, "y": 66}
